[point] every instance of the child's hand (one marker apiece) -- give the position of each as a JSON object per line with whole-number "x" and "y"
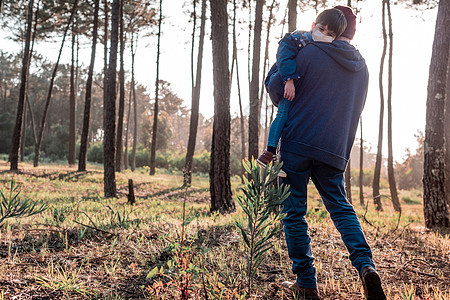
{"x": 289, "y": 90}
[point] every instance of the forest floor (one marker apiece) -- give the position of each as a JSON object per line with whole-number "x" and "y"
{"x": 87, "y": 247}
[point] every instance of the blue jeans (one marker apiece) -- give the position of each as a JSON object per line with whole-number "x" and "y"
{"x": 278, "y": 124}
{"x": 329, "y": 181}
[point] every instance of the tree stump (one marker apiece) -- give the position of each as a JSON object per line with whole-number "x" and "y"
{"x": 131, "y": 198}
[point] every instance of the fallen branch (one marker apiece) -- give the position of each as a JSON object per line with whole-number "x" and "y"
{"x": 95, "y": 228}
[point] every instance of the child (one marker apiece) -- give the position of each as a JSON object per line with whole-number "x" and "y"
{"x": 329, "y": 24}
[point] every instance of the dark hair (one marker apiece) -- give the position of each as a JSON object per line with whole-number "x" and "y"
{"x": 334, "y": 19}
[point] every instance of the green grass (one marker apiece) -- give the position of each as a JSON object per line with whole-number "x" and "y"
{"x": 86, "y": 246}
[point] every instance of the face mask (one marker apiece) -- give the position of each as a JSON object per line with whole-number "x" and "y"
{"x": 320, "y": 37}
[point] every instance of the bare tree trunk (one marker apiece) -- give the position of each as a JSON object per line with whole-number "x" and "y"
{"x": 27, "y": 100}
{"x": 15, "y": 141}
{"x": 130, "y": 99}
{"x": 253, "y": 124}
{"x": 220, "y": 185}
{"x": 391, "y": 176}
{"x": 241, "y": 118}
{"x": 195, "y": 96}
{"x": 156, "y": 109}
{"x": 71, "y": 157}
{"x": 37, "y": 148}
{"x": 435, "y": 207}
{"x": 348, "y": 181}
{"x": 361, "y": 166}
{"x": 105, "y": 63}
{"x": 119, "y": 139}
{"x": 87, "y": 104}
{"x": 266, "y": 54}
{"x": 110, "y": 118}
{"x": 377, "y": 171}
{"x": 33, "y": 130}
{"x": 133, "y": 87}
{"x": 292, "y": 15}
{"x": 447, "y": 135}
{"x": 24, "y": 132}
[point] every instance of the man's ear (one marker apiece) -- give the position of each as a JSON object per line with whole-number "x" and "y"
{"x": 313, "y": 25}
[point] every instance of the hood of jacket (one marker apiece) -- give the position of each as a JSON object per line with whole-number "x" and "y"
{"x": 343, "y": 53}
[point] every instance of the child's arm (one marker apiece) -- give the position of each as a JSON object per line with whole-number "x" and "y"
{"x": 288, "y": 49}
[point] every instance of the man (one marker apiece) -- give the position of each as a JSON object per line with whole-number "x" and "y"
{"x": 316, "y": 144}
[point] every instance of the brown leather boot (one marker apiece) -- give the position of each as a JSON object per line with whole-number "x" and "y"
{"x": 372, "y": 284}
{"x": 265, "y": 158}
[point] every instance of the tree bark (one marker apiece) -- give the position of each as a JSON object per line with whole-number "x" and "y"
{"x": 133, "y": 87}
{"x": 377, "y": 171}
{"x": 17, "y": 131}
{"x": 391, "y": 175}
{"x": 71, "y": 157}
{"x": 435, "y": 206}
{"x": 110, "y": 118}
{"x": 361, "y": 166}
{"x": 447, "y": 135}
{"x": 195, "y": 96}
{"x": 37, "y": 148}
{"x": 88, "y": 97}
{"x": 292, "y": 15}
{"x": 253, "y": 124}
{"x": 127, "y": 131}
{"x": 266, "y": 54}
{"x": 220, "y": 185}
{"x": 156, "y": 109}
{"x": 119, "y": 139}
{"x": 105, "y": 63}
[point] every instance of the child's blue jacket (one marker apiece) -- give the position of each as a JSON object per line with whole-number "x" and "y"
{"x": 329, "y": 98}
{"x": 288, "y": 48}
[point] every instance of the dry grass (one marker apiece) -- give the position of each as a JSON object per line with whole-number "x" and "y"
{"x": 88, "y": 247}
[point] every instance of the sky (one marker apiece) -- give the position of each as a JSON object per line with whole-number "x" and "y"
{"x": 413, "y": 38}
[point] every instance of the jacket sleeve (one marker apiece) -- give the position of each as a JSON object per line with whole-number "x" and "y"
{"x": 288, "y": 48}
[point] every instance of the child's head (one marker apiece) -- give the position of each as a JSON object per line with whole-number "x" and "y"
{"x": 331, "y": 22}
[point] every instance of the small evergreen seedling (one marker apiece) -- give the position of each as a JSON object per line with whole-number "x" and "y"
{"x": 261, "y": 222}
{"x": 12, "y": 206}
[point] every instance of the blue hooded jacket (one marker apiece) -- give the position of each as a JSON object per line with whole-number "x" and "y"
{"x": 329, "y": 99}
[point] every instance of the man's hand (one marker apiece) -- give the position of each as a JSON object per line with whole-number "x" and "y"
{"x": 289, "y": 90}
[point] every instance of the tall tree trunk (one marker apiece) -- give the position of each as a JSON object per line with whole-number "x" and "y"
{"x": 377, "y": 171}
{"x": 119, "y": 140}
{"x": 241, "y": 116}
{"x": 133, "y": 87}
{"x": 219, "y": 176}
{"x": 37, "y": 148}
{"x": 292, "y": 15}
{"x": 195, "y": 95}
{"x": 435, "y": 207}
{"x": 156, "y": 109}
{"x": 24, "y": 132}
{"x": 105, "y": 63}
{"x": 447, "y": 136}
{"x": 71, "y": 157}
{"x": 253, "y": 124}
{"x": 127, "y": 131}
{"x": 361, "y": 166}
{"x": 348, "y": 181}
{"x": 87, "y": 104}
{"x": 110, "y": 118}
{"x": 266, "y": 53}
{"x": 15, "y": 141}
{"x": 30, "y": 110}
{"x": 27, "y": 100}
{"x": 391, "y": 176}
